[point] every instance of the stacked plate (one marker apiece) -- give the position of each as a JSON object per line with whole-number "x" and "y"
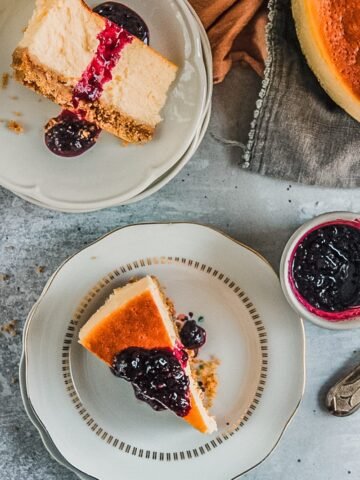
{"x": 90, "y": 420}
{"x": 109, "y": 174}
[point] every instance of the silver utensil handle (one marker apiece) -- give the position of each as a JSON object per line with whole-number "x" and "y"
{"x": 344, "y": 397}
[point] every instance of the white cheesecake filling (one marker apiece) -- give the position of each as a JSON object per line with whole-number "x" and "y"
{"x": 140, "y": 83}
{"x": 62, "y": 36}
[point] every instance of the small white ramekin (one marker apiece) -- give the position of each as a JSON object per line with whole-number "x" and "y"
{"x": 285, "y": 266}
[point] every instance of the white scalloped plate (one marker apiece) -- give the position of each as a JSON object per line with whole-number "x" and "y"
{"x": 170, "y": 174}
{"x": 156, "y": 185}
{"x": 48, "y": 443}
{"x": 108, "y": 174}
{"x": 257, "y": 337}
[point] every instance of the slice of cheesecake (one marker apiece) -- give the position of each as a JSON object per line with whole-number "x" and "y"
{"x": 329, "y": 35}
{"x": 83, "y": 61}
{"x": 134, "y": 333}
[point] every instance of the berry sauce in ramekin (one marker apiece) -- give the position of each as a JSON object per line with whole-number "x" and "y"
{"x": 324, "y": 270}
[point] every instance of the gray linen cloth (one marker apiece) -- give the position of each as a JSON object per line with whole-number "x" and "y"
{"x": 298, "y": 133}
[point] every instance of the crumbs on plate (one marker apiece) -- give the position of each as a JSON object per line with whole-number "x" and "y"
{"x": 15, "y": 127}
{"x": 9, "y": 328}
{"x": 205, "y": 373}
{"x": 5, "y": 77}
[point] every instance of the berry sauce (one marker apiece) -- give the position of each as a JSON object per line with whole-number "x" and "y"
{"x": 67, "y": 133}
{"x": 192, "y": 335}
{"x": 325, "y": 270}
{"x": 112, "y": 41}
{"x": 126, "y": 18}
{"x": 157, "y": 376}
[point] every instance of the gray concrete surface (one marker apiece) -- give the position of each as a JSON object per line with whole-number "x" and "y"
{"x": 212, "y": 189}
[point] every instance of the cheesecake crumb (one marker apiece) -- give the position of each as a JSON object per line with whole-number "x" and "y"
{"x": 205, "y": 373}
{"x": 14, "y": 97}
{"x": 85, "y": 134}
{"x": 5, "y": 80}
{"x": 40, "y": 269}
{"x": 15, "y": 127}
{"x": 4, "y": 277}
{"x": 134, "y": 279}
{"x": 50, "y": 124}
{"x": 9, "y": 328}
{"x": 17, "y": 114}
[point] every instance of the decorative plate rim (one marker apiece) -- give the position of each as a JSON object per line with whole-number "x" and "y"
{"x": 44, "y": 434}
{"x": 218, "y": 231}
{"x": 76, "y": 322}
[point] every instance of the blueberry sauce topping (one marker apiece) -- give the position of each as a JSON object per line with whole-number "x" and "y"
{"x": 192, "y": 335}
{"x": 326, "y": 269}
{"x": 112, "y": 41}
{"x": 69, "y": 135}
{"x": 154, "y": 404}
{"x": 157, "y": 376}
{"x": 126, "y": 18}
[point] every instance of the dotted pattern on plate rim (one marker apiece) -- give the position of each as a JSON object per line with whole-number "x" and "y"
{"x": 115, "y": 442}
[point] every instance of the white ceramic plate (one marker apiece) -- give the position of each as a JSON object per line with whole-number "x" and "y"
{"x": 108, "y": 174}
{"x": 48, "y": 443}
{"x": 155, "y": 186}
{"x": 169, "y": 175}
{"x": 257, "y": 337}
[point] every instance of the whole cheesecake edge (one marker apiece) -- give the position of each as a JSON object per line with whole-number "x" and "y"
{"x": 319, "y": 59}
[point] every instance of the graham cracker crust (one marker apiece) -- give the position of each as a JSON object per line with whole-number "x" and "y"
{"x": 55, "y": 87}
{"x": 205, "y": 374}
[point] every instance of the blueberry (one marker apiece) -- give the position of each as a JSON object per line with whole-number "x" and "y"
{"x": 157, "y": 378}
{"x": 192, "y": 335}
{"x": 154, "y": 404}
{"x": 69, "y": 136}
{"x": 126, "y": 18}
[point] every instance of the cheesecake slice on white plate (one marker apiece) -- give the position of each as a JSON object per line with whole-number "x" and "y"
{"x": 134, "y": 333}
{"x": 83, "y": 61}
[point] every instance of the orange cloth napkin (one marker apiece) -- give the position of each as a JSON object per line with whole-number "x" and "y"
{"x": 236, "y": 30}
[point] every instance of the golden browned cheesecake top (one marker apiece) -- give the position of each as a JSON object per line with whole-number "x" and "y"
{"x": 338, "y": 23}
{"x": 139, "y": 324}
